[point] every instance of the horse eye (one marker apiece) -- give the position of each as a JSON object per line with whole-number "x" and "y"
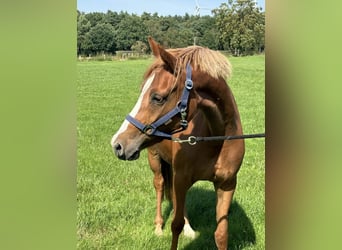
{"x": 157, "y": 99}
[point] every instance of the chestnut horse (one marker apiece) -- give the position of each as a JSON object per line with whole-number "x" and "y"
{"x": 184, "y": 94}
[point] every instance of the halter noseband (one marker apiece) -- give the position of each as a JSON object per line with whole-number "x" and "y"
{"x": 181, "y": 108}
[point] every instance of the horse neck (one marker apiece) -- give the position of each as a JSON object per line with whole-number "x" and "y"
{"x": 217, "y": 103}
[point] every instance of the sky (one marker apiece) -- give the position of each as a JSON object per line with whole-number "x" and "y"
{"x": 162, "y": 7}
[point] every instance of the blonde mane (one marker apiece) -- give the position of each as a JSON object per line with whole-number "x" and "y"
{"x": 202, "y": 59}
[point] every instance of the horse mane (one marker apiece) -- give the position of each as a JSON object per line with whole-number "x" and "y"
{"x": 202, "y": 59}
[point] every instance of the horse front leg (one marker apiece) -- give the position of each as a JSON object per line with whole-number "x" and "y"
{"x": 158, "y": 183}
{"x": 180, "y": 187}
{"x": 224, "y": 198}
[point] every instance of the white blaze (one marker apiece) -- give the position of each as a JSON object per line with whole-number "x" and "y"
{"x": 135, "y": 110}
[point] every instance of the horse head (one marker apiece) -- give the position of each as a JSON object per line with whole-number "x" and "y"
{"x": 165, "y": 103}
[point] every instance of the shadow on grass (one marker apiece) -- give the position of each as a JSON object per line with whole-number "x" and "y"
{"x": 201, "y": 206}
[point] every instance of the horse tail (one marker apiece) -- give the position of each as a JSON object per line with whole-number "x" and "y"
{"x": 167, "y": 173}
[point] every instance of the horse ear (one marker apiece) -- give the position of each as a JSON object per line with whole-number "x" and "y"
{"x": 168, "y": 58}
{"x": 159, "y": 51}
{"x": 154, "y": 46}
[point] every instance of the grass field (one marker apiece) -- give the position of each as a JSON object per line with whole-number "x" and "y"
{"x": 116, "y": 199}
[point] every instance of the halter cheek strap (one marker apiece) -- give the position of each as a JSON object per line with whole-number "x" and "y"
{"x": 181, "y": 108}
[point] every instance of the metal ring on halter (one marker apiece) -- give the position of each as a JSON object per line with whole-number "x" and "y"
{"x": 192, "y": 140}
{"x": 189, "y": 84}
{"x": 149, "y": 130}
{"x": 181, "y": 109}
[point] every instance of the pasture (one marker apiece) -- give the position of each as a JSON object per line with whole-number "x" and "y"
{"x": 116, "y": 199}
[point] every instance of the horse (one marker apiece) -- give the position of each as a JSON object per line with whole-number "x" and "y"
{"x": 184, "y": 93}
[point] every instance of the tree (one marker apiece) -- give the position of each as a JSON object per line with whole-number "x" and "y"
{"x": 237, "y": 26}
{"x": 204, "y": 31}
{"x": 100, "y": 38}
{"x": 153, "y": 26}
{"x": 95, "y": 18}
{"x": 139, "y": 47}
{"x": 83, "y": 27}
{"x": 241, "y": 26}
{"x": 129, "y": 31}
{"x": 113, "y": 18}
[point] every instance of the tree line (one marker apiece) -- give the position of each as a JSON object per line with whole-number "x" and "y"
{"x": 237, "y": 27}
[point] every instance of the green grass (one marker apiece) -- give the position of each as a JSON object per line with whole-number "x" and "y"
{"x": 116, "y": 199}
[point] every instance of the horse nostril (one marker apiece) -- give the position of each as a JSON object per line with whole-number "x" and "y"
{"x": 118, "y": 149}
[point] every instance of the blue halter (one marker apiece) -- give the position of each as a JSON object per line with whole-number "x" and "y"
{"x": 181, "y": 108}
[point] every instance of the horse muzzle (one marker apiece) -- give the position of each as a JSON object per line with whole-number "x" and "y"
{"x": 127, "y": 146}
{"x": 125, "y": 153}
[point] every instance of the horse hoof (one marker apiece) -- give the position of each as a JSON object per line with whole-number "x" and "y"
{"x": 158, "y": 231}
{"x": 188, "y": 231}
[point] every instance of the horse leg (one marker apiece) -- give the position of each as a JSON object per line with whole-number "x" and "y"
{"x": 188, "y": 231}
{"x": 158, "y": 183}
{"x": 180, "y": 187}
{"x": 224, "y": 198}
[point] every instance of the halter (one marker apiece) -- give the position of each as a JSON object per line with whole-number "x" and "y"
{"x": 181, "y": 108}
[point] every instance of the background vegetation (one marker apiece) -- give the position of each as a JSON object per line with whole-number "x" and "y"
{"x": 116, "y": 199}
{"x": 237, "y": 27}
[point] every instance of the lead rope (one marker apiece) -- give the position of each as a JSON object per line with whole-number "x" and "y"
{"x": 192, "y": 140}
